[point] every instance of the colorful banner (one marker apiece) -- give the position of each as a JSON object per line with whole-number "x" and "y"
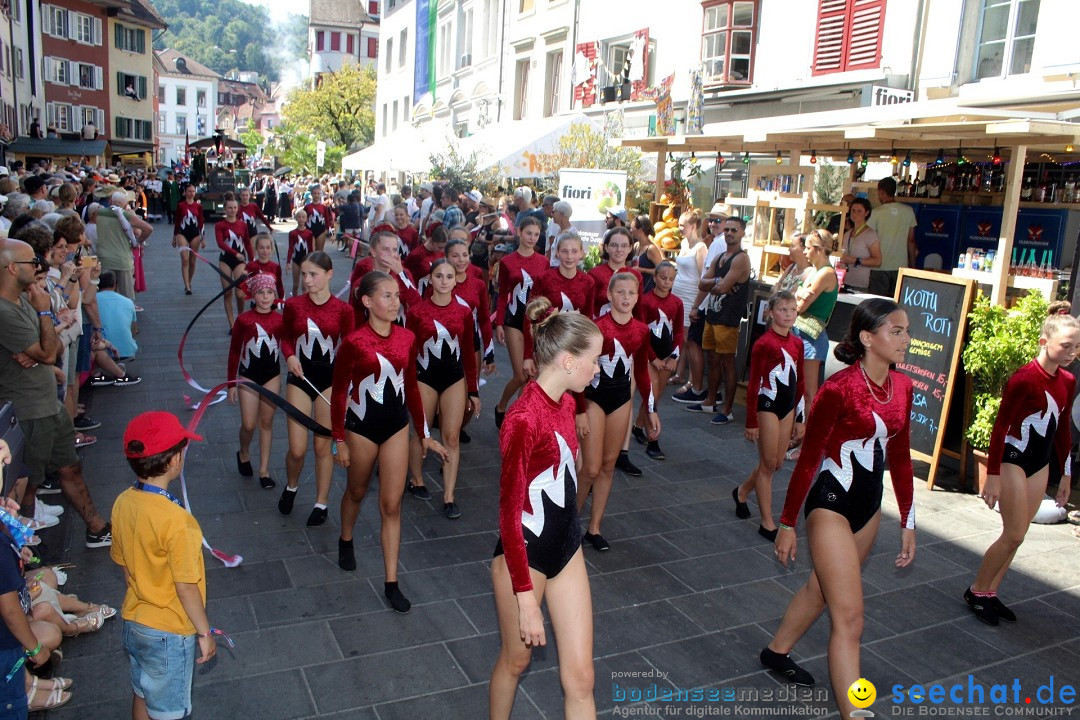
{"x": 425, "y": 49}
{"x": 695, "y": 107}
{"x": 665, "y": 116}
{"x": 591, "y": 193}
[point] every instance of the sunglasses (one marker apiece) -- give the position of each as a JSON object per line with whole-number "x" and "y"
{"x": 38, "y": 260}
{"x": 715, "y": 221}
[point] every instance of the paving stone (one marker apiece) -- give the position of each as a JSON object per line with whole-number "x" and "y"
{"x": 633, "y": 587}
{"x": 938, "y": 651}
{"x": 379, "y": 632}
{"x": 619, "y": 631}
{"x": 708, "y": 659}
{"x": 730, "y": 607}
{"x": 274, "y": 696}
{"x": 460, "y": 703}
{"x": 349, "y": 597}
{"x": 245, "y": 579}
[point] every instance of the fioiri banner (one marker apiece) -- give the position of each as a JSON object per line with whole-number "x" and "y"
{"x": 591, "y": 193}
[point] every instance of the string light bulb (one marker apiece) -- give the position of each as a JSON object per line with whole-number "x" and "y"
{"x": 960, "y": 159}
{"x": 779, "y": 158}
{"x": 894, "y": 159}
{"x": 719, "y": 160}
{"x": 813, "y": 157}
{"x": 864, "y": 161}
{"x": 1069, "y": 147}
{"x": 940, "y": 157}
{"x": 907, "y": 159}
{"x": 746, "y": 158}
{"x": 850, "y": 157}
{"x": 996, "y": 160}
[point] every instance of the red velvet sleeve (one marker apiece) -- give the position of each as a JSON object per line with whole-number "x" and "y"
{"x": 642, "y": 357}
{"x": 288, "y": 346}
{"x": 757, "y": 368}
{"x": 679, "y": 332}
{"x": 504, "y": 292}
{"x": 339, "y": 390}
{"x": 514, "y": 443}
{"x": 468, "y": 352}
{"x": 236, "y": 342}
{"x": 1014, "y": 390}
{"x": 292, "y": 246}
{"x": 899, "y": 454}
{"x": 824, "y": 412}
{"x": 1063, "y": 437}
{"x": 412, "y": 394}
{"x": 409, "y": 294}
{"x": 280, "y": 282}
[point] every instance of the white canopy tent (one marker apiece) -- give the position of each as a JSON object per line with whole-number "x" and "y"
{"x": 515, "y": 147}
{"x": 406, "y": 150}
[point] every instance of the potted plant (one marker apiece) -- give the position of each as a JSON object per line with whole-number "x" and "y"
{"x": 1000, "y": 341}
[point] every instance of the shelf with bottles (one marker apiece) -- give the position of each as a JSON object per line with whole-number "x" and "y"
{"x": 1050, "y": 184}
{"x": 1030, "y": 269}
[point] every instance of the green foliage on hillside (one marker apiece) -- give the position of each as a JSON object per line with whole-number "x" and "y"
{"x": 229, "y": 35}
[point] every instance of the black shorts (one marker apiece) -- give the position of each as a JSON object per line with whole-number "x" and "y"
{"x": 1030, "y": 461}
{"x": 515, "y": 319}
{"x": 439, "y": 376}
{"x": 321, "y": 376}
{"x": 858, "y": 504}
{"x": 380, "y": 424}
{"x": 696, "y": 331}
{"x": 260, "y": 372}
{"x": 561, "y": 537}
{"x": 609, "y": 397}
{"x": 782, "y": 405}
{"x": 231, "y": 260}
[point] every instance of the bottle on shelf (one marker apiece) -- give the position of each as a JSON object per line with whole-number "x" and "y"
{"x": 1042, "y": 188}
{"x": 903, "y": 188}
{"x": 937, "y": 186}
{"x": 1070, "y": 190}
{"x": 1052, "y": 191}
{"x": 1027, "y": 189}
{"x": 999, "y": 179}
{"x": 1012, "y": 265}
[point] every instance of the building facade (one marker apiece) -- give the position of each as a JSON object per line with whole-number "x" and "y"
{"x": 240, "y": 100}
{"x": 187, "y": 103}
{"x": 341, "y": 32}
{"x": 74, "y": 59}
{"x": 131, "y": 78}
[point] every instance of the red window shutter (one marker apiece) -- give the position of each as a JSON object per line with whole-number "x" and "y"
{"x": 372, "y": 47}
{"x": 373, "y": 7}
{"x": 335, "y": 42}
{"x": 320, "y": 40}
{"x": 350, "y": 45}
{"x": 864, "y": 40}
{"x": 848, "y": 35}
{"x": 585, "y": 93}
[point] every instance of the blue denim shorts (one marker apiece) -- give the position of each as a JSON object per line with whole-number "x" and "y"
{"x": 814, "y": 349}
{"x": 162, "y": 665}
{"x": 12, "y": 692}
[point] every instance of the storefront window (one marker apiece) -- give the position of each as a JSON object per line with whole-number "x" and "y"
{"x": 1006, "y": 37}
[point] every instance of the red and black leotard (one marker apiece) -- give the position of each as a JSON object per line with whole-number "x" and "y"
{"x": 406, "y": 290}
{"x": 232, "y": 238}
{"x": 313, "y": 333}
{"x": 409, "y": 237}
{"x": 268, "y": 268}
{"x": 375, "y": 388}
{"x": 472, "y": 292}
{"x": 320, "y": 218}
{"x": 418, "y": 263}
{"x": 664, "y": 316}
{"x": 254, "y": 347}
{"x": 624, "y": 346}
{"x": 517, "y": 274}
{"x": 565, "y": 295}
{"x": 849, "y": 435}
{"x": 538, "y": 517}
{"x": 776, "y": 376}
{"x": 301, "y": 241}
{"x": 444, "y": 349}
{"x": 189, "y": 220}
{"x": 1032, "y": 428}
{"x": 251, "y": 213}
{"x": 601, "y": 276}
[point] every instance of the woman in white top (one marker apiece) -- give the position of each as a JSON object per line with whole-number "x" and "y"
{"x": 862, "y": 248}
{"x": 689, "y": 265}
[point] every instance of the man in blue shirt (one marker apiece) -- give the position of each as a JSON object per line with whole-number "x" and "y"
{"x": 452, "y": 215}
{"x": 117, "y": 316}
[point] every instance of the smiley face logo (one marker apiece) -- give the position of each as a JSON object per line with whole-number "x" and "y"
{"x": 862, "y": 693}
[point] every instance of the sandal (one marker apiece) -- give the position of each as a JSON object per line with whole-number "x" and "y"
{"x": 1074, "y": 517}
{"x": 105, "y": 611}
{"x": 91, "y": 622}
{"x": 56, "y": 697}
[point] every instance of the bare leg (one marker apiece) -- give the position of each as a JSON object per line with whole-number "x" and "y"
{"x": 515, "y": 347}
{"x": 569, "y": 604}
{"x": 324, "y": 458}
{"x": 249, "y": 416}
{"x": 298, "y": 435}
{"x": 600, "y": 474}
{"x": 812, "y": 369}
{"x": 514, "y": 655}
{"x": 362, "y": 456}
{"x": 74, "y": 488}
{"x": 416, "y": 462}
{"x": 229, "y": 314}
{"x": 1019, "y": 501}
{"x": 393, "y": 466}
{"x": 452, "y": 405}
{"x": 266, "y": 427}
{"x": 773, "y": 434}
{"x": 180, "y": 241}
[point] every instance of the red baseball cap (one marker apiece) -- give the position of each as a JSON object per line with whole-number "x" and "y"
{"x": 157, "y": 431}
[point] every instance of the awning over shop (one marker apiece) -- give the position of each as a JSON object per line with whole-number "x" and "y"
{"x": 408, "y": 149}
{"x": 130, "y": 148}
{"x": 517, "y": 148}
{"x": 55, "y": 147}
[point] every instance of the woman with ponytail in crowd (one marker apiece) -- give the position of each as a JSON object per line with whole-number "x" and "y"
{"x": 1023, "y": 456}
{"x": 538, "y": 557}
{"x": 254, "y": 355}
{"x": 517, "y": 273}
{"x": 313, "y": 327}
{"x": 374, "y": 392}
{"x": 860, "y": 417}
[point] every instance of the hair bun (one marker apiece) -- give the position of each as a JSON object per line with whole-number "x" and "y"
{"x": 540, "y": 312}
{"x": 847, "y": 352}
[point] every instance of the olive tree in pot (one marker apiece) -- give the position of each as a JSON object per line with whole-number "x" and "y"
{"x": 999, "y": 343}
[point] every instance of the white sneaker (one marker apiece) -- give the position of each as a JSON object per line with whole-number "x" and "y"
{"x": 43, "y": 507}
{"x": 40, "y": 523}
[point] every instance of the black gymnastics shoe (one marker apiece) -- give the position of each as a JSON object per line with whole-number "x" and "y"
{"x": 598, "y": 542}
{"x": 499, "y": 415}
{"x": 783, "y": 665}
{"x": 769, "y": 535}
{"x": 1004, "y": 614}
{"x": 420, "y": 492}
{"x": 639, "y": 434}
{"x": 267, "y": 483}
{"x": 288, "y": 497}
{"x": 397, "y": 599}
{"x": 624, "y": 464}
{"x": 346, "y": 560}
{"x": 243, "y": 466}
{"x": 742, "y": 510}
{"x": 983, "y": 607}
{"x": 653, "y": 450}
{"x": 317, "y": 517}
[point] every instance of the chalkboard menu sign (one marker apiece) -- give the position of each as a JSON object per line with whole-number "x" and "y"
{"x": 937, "y": 306}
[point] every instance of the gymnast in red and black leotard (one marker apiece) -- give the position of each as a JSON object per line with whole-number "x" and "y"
{"x": 263, "y": 263}
{"x": 384, "y": 258}
{"x": 375, "y": 391}
{"x": 188, "y": 232}
{"x": 418, "y": 261}
{"x": 320, "y": 217}
{"x": 860, "y": 418}
{"x": 662, "y": 311}
{"x": 252, "y": 214}
{"x": 538, "y": 554}
{"x": 1029, "y": 446}
{"x": 618, "y": 243}
{"x": 565, "y": 287}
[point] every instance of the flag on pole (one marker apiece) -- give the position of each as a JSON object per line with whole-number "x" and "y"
{"x": 187, "y": 148}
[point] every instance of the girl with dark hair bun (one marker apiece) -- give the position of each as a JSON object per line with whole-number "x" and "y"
{"x": 860, "y": 418}
{"x": 538, "y": 556}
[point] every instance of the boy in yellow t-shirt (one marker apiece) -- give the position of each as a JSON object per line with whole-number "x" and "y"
{"x": 158, "y": 543}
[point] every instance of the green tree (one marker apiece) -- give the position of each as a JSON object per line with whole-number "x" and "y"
{"x": 296, "y": 148}
{"x": 340, "y": 110}
{"x": 252, "y": 138}
{"x": 583, "y": 146}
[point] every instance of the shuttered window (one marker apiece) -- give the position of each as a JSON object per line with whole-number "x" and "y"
{"x": 848, "y": 35}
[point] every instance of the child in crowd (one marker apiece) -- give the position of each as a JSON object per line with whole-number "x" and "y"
{"x": 300, "y": 244}
{"x": 263, "y": 262}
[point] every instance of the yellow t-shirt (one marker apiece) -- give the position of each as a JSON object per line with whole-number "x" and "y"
{"x": 160, "y": 544}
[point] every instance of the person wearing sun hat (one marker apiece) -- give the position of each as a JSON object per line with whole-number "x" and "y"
{"x": 159, "y": 545}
